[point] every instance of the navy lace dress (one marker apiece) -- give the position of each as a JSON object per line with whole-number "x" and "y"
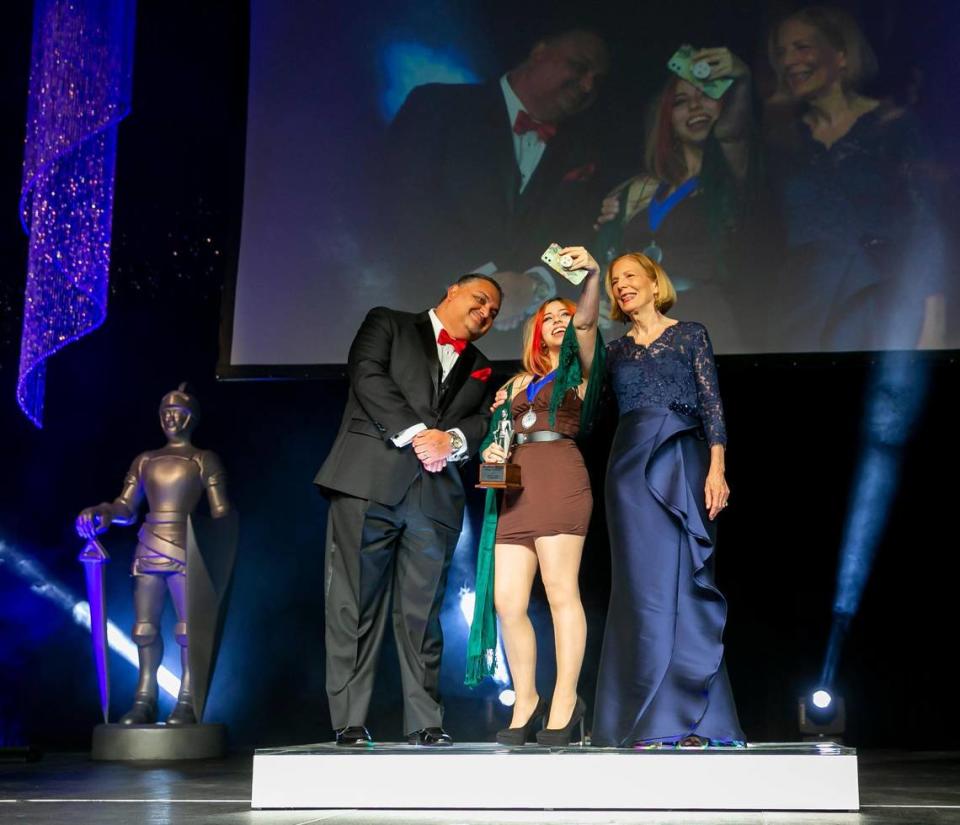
{"x": 662, "y": 676}
{"x": 862, "y": 246}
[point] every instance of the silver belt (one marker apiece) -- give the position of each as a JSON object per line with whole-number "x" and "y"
{"x": 540, "y": 435}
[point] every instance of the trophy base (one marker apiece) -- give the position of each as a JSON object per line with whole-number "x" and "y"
{"x": 500, "y": 476}
{"x": 123, "y": 743}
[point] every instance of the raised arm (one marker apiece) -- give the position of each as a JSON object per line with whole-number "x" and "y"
{"x": 588, "y": 307}
{"x": 734, "y": 128}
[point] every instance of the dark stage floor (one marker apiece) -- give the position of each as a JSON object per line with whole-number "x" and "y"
{"x": 895, "y": 786}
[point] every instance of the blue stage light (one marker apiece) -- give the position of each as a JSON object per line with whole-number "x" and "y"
{"x": 896, "y": 391}
{"x": 39, "y": 583}
{"x": 407, "y": 65}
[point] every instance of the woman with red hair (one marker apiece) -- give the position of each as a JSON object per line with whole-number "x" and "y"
{"x": 683, "y": 209}
{"x": 543, "y": 525}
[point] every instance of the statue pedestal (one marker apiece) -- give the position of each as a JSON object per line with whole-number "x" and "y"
{"x": 133, "y": 742}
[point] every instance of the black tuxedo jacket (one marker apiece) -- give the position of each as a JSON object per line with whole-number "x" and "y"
{"x": 451, "y": 185}
{"x": 395, "y": 383}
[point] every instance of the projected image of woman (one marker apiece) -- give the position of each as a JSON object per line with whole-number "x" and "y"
{"x": 543, "y": 525}
{"x": 683, "y": 209}
{"x": 862, "y": 259}
{"x": 662, "y": 679}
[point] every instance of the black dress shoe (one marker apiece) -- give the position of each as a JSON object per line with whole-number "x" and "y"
{"x": 353, "y": 736}
{"x": 430, "y": 738}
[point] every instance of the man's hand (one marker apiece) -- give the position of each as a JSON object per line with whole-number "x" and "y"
{"x": 432, "y": 446}
{"x": 435, "y": 466}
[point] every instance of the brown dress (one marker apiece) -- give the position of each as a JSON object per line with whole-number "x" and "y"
{"x": 556, "y": 497}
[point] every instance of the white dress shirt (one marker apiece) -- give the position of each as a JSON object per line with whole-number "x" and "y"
{"x": 527, "y": 148}
{"x": 448, "y": 357}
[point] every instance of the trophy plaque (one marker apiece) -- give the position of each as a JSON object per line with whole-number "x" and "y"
{"x": 501, "y": 475}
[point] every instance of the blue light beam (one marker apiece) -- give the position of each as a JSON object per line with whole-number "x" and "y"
{"x": 406, "y": 65}
{"x": 896, "y": 391}
{"x": 40, "y": 583}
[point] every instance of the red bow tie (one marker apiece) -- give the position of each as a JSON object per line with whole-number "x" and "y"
{"x": 446, "y": 338}
{"x": 524, "y": 123}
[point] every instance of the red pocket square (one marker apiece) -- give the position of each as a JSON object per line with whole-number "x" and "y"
{"x": 481, "y": 374}
{"x": 581, "y": 173}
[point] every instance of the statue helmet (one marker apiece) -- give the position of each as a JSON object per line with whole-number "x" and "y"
{"x": 183, "y": 400}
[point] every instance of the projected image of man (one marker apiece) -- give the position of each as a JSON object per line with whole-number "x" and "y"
{"x": 485, "y": 176}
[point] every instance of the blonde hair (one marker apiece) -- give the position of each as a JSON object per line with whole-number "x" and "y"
{"x": 666, "y": 294}
{"x": 841, "y": 32}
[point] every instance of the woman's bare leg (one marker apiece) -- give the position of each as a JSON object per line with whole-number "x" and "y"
{"x": 559, "y": 558}
{"x": 515, "y": 568}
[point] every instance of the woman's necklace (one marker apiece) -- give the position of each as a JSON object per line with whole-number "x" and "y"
{"x": 530, "y": 417}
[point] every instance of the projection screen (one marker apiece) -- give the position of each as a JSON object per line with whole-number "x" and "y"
{"x": 382, "y": 163}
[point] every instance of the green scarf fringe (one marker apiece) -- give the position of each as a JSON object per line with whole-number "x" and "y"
{"x": 482, "y": 641}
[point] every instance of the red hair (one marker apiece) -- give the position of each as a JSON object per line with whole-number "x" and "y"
{"x": 664, "y": 155}
{"x": 536, "y": 360}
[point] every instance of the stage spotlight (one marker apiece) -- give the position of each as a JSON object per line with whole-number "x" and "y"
{"x": 896, "y": 390}
{"x": 507, "y": 697}
{"x": 821, "y": 713}
{"x": 822, "y": 699}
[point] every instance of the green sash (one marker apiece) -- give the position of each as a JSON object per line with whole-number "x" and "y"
{"x": 482, "y": 641}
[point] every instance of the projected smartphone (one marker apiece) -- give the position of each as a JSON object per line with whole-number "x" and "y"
{"x": 697, "y": 72}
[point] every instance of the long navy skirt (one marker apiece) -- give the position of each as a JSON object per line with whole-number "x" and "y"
{"x": 662, "y": 675}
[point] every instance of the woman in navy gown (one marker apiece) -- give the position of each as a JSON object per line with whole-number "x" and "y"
{"x": 662, "y": 678}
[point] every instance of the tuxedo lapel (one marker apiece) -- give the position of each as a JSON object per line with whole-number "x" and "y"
{"x": 545, "y": 176}
{"x": 487, "y": 149}
{"x": 501, "y": 139}
{"x": 429, "y": 344}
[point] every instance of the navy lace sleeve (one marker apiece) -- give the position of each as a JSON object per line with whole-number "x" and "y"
{"x": 708, "y": 390}
{"x": 676, "y": 371}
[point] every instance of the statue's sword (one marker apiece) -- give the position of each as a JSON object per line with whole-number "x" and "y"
{"x": 93, "y": 557}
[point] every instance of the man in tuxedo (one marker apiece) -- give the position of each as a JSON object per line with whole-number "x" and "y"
{"x": 417, "y": 406}
{"x": 485, "y": 176}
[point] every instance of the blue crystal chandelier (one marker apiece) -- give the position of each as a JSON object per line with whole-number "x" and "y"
{"x": 80, "y": 83}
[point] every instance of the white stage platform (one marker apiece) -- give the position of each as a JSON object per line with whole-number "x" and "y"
{"x": 771, "y": 777}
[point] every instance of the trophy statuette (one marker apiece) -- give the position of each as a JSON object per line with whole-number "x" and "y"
{"x": 501, "y": 475}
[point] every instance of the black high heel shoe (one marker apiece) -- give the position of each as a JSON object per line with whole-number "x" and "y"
{"x": 519, "y": 736}
{"x": 560, "y": 737}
